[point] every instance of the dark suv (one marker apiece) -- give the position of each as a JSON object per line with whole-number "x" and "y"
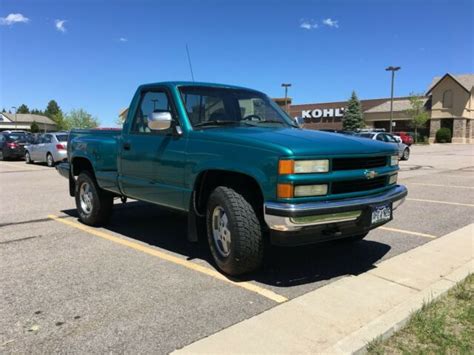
{"x": 12, "y": 145}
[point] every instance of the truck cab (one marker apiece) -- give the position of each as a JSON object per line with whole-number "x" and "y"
{"x": 241, "y": 169}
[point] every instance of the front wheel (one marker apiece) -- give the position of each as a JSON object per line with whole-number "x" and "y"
{"x": 234, "y": 232}
{"x": 93, "y": 204}
{"x": 406, "y": 154}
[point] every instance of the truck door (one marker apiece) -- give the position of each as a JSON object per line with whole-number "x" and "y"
{"x": 152, "y": 162}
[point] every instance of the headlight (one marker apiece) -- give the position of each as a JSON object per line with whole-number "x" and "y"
{"x": 392, "y": 179}
{"x": 311, "y": 190}
{"x": 303, "y": 166}
{"x": 394, "y": 160}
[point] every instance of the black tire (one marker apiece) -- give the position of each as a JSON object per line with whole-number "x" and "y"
{"x": 246, "y": 239}
{"x": 28, "y": 158}
{"x": 406, "y": 154}
{"x": 49, "y": 160}
{"x": 101, "y": 202}
{"x": 355, "y": 238}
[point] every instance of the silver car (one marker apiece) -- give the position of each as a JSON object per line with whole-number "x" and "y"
{"x": 403, "y": 149}
{"x": 49, "y": 147}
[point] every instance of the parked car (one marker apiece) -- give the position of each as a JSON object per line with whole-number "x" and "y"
{"x": 12, "y": 145}
{"x": 406, "y": 137}
{"x": 403, "y": 149}
{"x": 340, "y": 131}
{"x": 242, "y": 170}
{"x": 48, "y": 148}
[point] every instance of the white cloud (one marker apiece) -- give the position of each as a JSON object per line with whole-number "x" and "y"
{"x": 60, "y": 25}
{"x": 123, "y": 39}
{"x": 331, "y": 23}
{"x": 13, "y": 18}
{"x": 308, "y": 24}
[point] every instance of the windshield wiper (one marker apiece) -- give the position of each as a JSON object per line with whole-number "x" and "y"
{"x": 215, "y": 123}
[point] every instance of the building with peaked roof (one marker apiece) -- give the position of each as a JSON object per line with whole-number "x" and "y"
{"x": 23, "y": 121}
{"x": 449, "y": 101}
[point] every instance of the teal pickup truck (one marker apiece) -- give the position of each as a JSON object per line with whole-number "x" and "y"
{"x": 242, "y": 170}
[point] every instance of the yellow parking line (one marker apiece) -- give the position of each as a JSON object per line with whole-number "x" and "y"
{"x": 441, "y": 202}
{"x": 408, "y": 232}
{"x": 173, "y": 259}
{"x": 439, "y": 185}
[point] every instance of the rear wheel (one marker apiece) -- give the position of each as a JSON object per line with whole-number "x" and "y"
{"x": 93, "y": 204}
{"x": 49, "y": 160}
{"x": 234, "y": 232}
{"x": 406, "y": 154}
{"x": 28, "y": 158}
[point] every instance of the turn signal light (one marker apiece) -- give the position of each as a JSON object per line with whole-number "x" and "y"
{"x": 286, "y": 167}
{"x": 285, "y": 191}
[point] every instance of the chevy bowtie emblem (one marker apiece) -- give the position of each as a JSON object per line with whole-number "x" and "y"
{"x": 370, "y": 174}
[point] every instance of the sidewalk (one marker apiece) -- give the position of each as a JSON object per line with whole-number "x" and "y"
{"x": 345, "y": 315}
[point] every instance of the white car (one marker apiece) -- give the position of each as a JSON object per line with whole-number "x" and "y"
{"x": 403, "y": 149}
{"x": 49, "y": 148}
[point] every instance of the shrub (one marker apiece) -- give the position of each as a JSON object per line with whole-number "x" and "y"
{"x": 443, "y": 135}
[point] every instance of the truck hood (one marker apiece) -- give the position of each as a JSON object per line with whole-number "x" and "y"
{"x": 298, "y": 142}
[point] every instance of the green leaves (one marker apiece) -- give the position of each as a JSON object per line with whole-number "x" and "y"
{"x": 79, "y": 118}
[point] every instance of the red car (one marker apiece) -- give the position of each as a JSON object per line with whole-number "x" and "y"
{"x": 406, "y": 137}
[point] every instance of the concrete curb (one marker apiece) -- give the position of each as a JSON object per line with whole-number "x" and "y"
{"x": 343, "y": 316}
{"x": 387, "y": 324}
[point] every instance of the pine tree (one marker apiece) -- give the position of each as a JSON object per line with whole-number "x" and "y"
{"x": 353, "y": 118}
{"x": 34, "y": 128}
{"x": 52, "y": 109}
{"x": 23, "y": 109}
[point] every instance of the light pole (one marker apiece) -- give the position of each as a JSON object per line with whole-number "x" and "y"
{"x": 393, "y": 70}
{"x": 286, "y": 86}
{"x": 14, "y": 107}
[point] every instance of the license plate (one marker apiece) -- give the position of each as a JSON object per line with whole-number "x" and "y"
{"x": 381, "y": 214}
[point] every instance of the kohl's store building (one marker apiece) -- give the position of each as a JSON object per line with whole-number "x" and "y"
{"x": 449, "y": 101}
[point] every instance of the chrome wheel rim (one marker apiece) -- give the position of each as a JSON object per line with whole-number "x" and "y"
{"x": 221, "y": 232}
{"x": 50, "y": 160}
{"x": 406, "y": 154}
{"x": 27, "y": 157}
{"x": 85, "y": 197}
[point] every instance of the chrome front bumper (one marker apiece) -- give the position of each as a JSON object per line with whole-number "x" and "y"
{"x": 281, "y": 216}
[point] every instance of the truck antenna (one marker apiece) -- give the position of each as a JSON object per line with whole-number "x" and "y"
{"x": 189, "y": 60}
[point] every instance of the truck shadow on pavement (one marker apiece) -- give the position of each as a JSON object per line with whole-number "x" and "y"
{"x": 283, "y": 266}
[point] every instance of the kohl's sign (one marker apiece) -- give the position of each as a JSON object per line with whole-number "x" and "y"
{"x": 323, "y": 115}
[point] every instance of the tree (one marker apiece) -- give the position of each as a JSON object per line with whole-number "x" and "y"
{"x": 34, "y": 128}
{"x": 80, "y": 119}
{"x": 54, "y": 112}
{"x": 4, "y": 111}
{"x": 23, "y": 109}
{"x": 417, "y": 113}
{"x": 353, "y": 118}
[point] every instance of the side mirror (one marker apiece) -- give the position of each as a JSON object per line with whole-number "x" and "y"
{"x": 299, "y": 121}
{"x": 159, "y": 121}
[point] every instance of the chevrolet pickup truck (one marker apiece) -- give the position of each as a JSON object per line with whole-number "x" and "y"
{"x": 242, "y": 170}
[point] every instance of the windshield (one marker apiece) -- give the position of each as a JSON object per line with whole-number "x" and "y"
{"x": 211, "y": 106}
{"x": 61, "y": 137}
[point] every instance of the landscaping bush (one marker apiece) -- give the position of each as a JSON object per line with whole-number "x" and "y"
{"x": 443, "y": 135}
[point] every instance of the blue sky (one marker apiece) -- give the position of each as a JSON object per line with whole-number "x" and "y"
{"x": 93, "y": 54}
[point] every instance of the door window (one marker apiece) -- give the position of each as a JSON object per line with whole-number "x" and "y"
{"x": 380, "y": 137}
{"x": 151, "y": 101}
{"x": 47, "y": 139}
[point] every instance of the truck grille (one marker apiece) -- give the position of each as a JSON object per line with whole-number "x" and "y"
{"x": 341, "y": 187}
{"x": 358, "y": 163}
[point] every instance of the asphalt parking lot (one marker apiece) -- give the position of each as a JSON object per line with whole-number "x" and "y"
{"x": 139, "y": 286}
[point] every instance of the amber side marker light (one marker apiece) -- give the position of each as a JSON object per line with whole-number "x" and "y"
{"x": 286, "y": 167}
{"x": 285, "y": 191}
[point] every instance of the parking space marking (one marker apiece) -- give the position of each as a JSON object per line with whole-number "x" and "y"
{"x": 408, "y": 232}
{"x": 21, "y": 167}
{"x": 441, "y": 202}
{"x": 440, "y": 185}
{"x": 173, "y": 259}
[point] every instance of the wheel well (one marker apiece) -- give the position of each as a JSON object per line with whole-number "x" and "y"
{"x": 81, "y": 164}
{"x": 244, "y": 184}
